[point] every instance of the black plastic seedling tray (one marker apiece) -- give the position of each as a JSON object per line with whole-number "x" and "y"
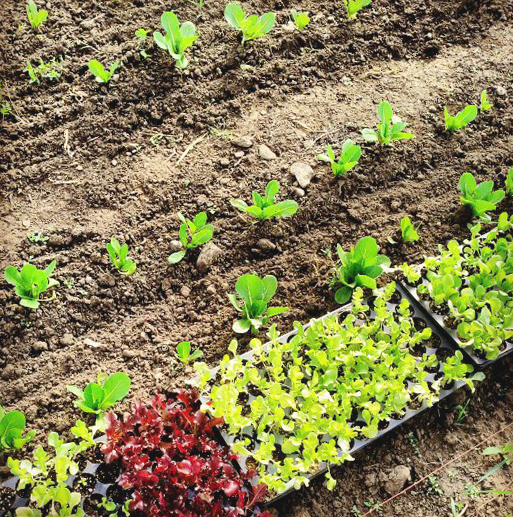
{"x": 451, "y": 334}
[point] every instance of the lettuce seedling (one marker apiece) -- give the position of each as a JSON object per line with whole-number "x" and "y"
{"x": 354, "y": 6}
{"x": 408, "y": 231}
{"x": 349, "y": 158}
{"x": 266, "y": 207}
{"x": 389, "y": 129}
{"x": 360, "y": 266}
{"x": 178, "y": 38}
{"x": 183, "y": 352}
{"x": 35, "y": 16}
{"x": 118, "y": 257}
{"x": 192, "y": 234}
{"x": 509, "y": 182}
{"x": 29, "y": 283}
{"x": 481, "y": 198}
{"x": 98, "y": 397}
{"x": 461, "y": 119}
{"x": 252, "y": 27}
{"x": 50, "y": 70}
{"x": 101, "y": 74}
{"x": 301, "y": 19}
{"x": 12, "y": 425}
{"x": 485, "y": 104}
{"x": 255, "y": 293}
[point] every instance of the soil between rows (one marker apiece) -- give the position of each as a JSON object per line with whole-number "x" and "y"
{"x": 302, "y": 92}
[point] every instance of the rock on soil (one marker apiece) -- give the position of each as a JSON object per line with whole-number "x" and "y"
{"x": 244, "y": 142}
{"x": 265, "y": 153}
{"x": 397, "y": 478}
{"x": 303, "y": 173}
{"x": 209, "y": 254}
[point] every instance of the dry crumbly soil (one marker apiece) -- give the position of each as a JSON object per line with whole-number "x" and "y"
{"x": 82, "y": 162}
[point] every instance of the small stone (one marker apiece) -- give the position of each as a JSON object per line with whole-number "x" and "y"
{"x": 224, "y": 162}
{"x": 39, "y": 346}
{"x": 303, "y": 173}
{"x": 299, "y": 192}
{"x": 501, "y": 91}
{"x": 59, "y": 240}
{"x": 209, "y": 254}
{"x": 395, "y": 205}
{"x": 265, "y": 153}
{"x": 128, "y": 354}
{"x": 211, "y": 289}
{"x": 175, "y": 246}
{"x": 25, "y": 223}
{"x": 397, "y": 478}
{"x": 66, "y": 339}
{"x": 114, "y": 162}
{"x": 185, "y": 291}
{"x": 266, "y": 245}
{"x": 239, "y": 154}
{"x": 106, "y": 280}
{"x": 91, "y": 343}
{"x": 8, "y": 372}
{"x": 244, "y": 142}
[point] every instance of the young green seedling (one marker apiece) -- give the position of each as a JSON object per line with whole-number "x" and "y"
{"x": 389, "y": 129}
{"x": 481, "y": 197}
{"x": 266, "y": 207}
{"x": 252, "y": 27}
{"x": 485, "y": 104}
{"x": 50, "y": 70}
{"x": 255, "y": 294}
{"x": 101, "y": 74}
{"x": 177, "y": 39}
{"x": 349, "y": 158}
{"x": 192, "y": 234}
{"x": 183, "y": 352}
{"x": 198, "y": 3}
{"x": 353, "y": 7}
{"x": 118, "y": 257}
{"x": 301, "y": 19}
{"x": 35, "y": 17}
{"x": 12, "y": 425}
{"x": 461, "y": 119}
{"x": 408, "y": 231}
{"x": 358, "y": 267}
{"x": 29, "y": 283}
{"x": 142, "y": 36}
{"x": 509, "y": 182}
{"x": 5, "y": 107}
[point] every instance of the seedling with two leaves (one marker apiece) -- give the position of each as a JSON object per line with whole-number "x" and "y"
{"x": 266, "y": 207}
{"x": 35, "y": 16}
{"x": 485, "y": 104}
{"x": 481, "y": 197}
{"x": 390, "y": 128}
{"x": 353, "y": 7}
{"x": 253, "y": 26}
{"x": 349, "y": 157}
{"x": 408, "y": 232}
{"x": 177, "y": 38}
{"x": 461, "y": 119}
{"x": 30, "y": 283}
{"x": 301, "y": 19}
{"x": 101, "y": 74}
{"x": 255, "y": 293}
{"x": 12, "y": 425}
{"x": 183, "y": 352}
{"x": 509, "y": 182}
{"x": 119, "y": 257}
{"x": 192, "y": 234}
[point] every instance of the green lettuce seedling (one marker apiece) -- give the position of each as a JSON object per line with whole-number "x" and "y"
{"x": 509, "y": 182}
{"x": 192, "y": 234}
{"x": 360, "y": 266}
{"x": 354, "y": 6}
{"x": 389, "y": 129}
{"x": 98, "y": 397}
{"x": 266, "y": 207}
{"x": 118, "y": 256}
{"x": 12, "y": 425}
{"x": 255, "y": 294}
{"x": 301, "y": 19}
{"x": 485, "y": 104}
{"x": 35, "y": 17}
{"x": 349, "y": 158}
{"x": 178, "y": 38}
{"x": 101, "y": 74}
{"x": 252, "y": 27}
{"x": 481, "y": 197}
{"x": 408, "y": 231}
{"x": 183, "y": 352}
{"x": 461, "y": 119}
{"x": 29, "y": 283}
{"x": 50, "y": 70}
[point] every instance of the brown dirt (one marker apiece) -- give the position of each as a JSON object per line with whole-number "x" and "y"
{"x": 301, "y": 92}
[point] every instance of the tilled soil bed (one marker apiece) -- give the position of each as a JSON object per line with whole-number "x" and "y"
{"x": 82, "y": 162}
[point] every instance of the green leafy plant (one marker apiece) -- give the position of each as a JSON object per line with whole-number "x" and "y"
{"x": 30, "y": 283}
{"x": 12, "y": 425}
{"x": 461, "y": 119}
{"x": 198, "y": 3}
{"x": 101, "y": 74}
{"x": 301, "y": 19}
{"x": 142, "y": 37}
{"x": 485, "y": 104}
{"x": 5, "y": 106}
{"x": 35, "y": 16}
{"x": 390, "y": 128}
{"x": 408, "y": 231}
{"x": 360, "y": 266}
{"x": 509, "y": 182}
{"x": 177, "y": 39}
{"x": 183, "y": 352}
{"x": 349, "y": 157}
{"x": 353, "y": 7}
{"x": 98, "y": 397}
{"x": 51, "y": 70}
{"x": 118, "y": 257}
{"x": 266, "y": 207}
{"x": 255, "y": 294}
{"x": 192, "y": 235}
{"x": 481, "y": 197}
{"x": 252, "y": 27}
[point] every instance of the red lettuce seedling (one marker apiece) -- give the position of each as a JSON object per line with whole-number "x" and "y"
{"x": 175, "y": 467}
